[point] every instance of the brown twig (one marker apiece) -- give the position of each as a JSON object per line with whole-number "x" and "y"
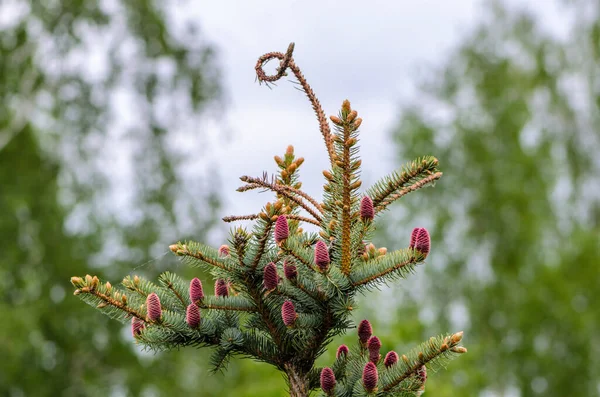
{"x": 234, "y": 218}
{"x": 226, "y": 307}
{"x": 287, "y": 61}
{"x": 286, "y": 191}
{"x": 170, "y": 287}
{"x": 302, "y": 219}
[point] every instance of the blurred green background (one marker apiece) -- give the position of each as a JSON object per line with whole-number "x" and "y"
{"x": 512, "y": 113}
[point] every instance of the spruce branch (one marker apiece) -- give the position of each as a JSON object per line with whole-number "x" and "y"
{"x": 417, "y": 185}
{"x": 389, "y": 189}
{"x": 281, "y": 294}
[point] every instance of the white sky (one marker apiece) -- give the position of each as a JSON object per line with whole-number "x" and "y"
{"x": 370, "y": 54}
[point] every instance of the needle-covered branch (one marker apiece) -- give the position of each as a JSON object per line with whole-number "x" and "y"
{"x": 281, "y": 293}
{"x": 394, "y": 186}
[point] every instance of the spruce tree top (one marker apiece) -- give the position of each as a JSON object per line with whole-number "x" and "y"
{"x": 281, "y": 293}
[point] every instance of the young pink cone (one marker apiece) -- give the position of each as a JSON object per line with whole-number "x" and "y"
{"x": 270, "y": 278}
{"x": 374, "y": 345}
{"x": 196, "y": 290}
{"x": 370, "y": 377}
{"x": 192, "y": 316}
{"x": 137, "y": 325}
{"x": 224, "y": 251}
{"x": 322, "y": 255}
{"x": 364, "y": 331}
{"x": 153, "y": 307}
{"x": 342, "y": 350}
{"x": 221, "y": 288}
{"x": 423, "y": 241}
{"x": 327, "y": 380}
{"x": 288, "y": 313}
{"x": 422, "y": 376}
{"x": 413, "y": 237}
{"x": 390, "y": 359}
{"x": 367, "y": 212}
{"x": 290, "y": 271}
{"x": 282, "y": 230}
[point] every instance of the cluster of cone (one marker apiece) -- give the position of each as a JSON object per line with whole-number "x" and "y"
{"x": 419, "y": 241}
{"x": 370, "y": 375}
{"x": 154, "y": 309}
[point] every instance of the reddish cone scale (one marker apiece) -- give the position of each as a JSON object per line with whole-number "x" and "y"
{"x": 367, "y": 212}
{"x": 322, "y": 256}
{"x": 342, "y": 350}
{"x": 327, "y": 380}
{"x": 422, "y": 375}
{"x": 364, "y": 331}
{"x": 288, "y": 313}
{"x": 370, "y": 377}
{"x": 224, "y": 251}
{"x": 221, "y": 288}
{"x": 192, "y": 316}
{"x": 290, "y": 271}
{"x": 282, "y": 230}
{"x": 137, "y": 326}
{"x": 196, "y": 291}
{"x": 270, "y": 277}
{"x": 423, "y": 241}
{"x": 374, "y": 345}
{"x": 390, "y": 359}
{"x": 153, "y": 307}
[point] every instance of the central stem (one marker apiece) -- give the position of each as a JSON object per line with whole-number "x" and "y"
{"x": 299, "y": 386}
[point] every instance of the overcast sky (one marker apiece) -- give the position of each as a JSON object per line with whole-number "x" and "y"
{"x": 371, "y": 54}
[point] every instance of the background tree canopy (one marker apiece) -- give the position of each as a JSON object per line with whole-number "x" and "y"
{"x": 514, "y": 117}
{"x": 100, "y": 101}
{"x": 77, "y": 80}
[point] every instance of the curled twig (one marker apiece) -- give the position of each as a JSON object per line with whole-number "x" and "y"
{"x": 287, "y": 61}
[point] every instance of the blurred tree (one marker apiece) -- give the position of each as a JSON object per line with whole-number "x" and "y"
{"x": 514, "y": 118}
{"x": 99, "y": 104}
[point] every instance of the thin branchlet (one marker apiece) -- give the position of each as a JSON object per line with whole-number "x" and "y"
{"x": 287, "y": 61}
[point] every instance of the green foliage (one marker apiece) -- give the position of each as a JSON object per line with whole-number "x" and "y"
{"x": 64, "y": 68}
{"x": 289, "y": 321}
{"x": 519, "y": 140}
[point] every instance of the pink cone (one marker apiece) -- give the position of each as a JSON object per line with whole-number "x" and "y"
{"x": 153, "y": 307}
{"x": 370, "y": 377}
{"x": 327, "y": 380}
{"x": 288, "y": 313}
{"x": 413, "y": 237}
{"x": 270, "y": 277}
{"x": 322, "y": 256}
{"x": 422, "y": 374}
{"x": 196, "y": 291}
{"x": 390, "y": 359}
{"x": 290, "y": 271}
{"x": 423, "y": 241}
{"x": 137, "y": 325}
{"x": 282, "y": 230}
{"x": 342, "y": 350}
{"x": 224, "y": 251}
{"x": 192, "y": 316}
{"x": 374, "y": 345}
{"x": 367, "y": 212}
{"x": 221, "y": 288}
{"x": 364, "y": 331}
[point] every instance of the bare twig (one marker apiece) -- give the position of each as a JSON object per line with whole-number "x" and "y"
{"x": 287, "y": 61}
